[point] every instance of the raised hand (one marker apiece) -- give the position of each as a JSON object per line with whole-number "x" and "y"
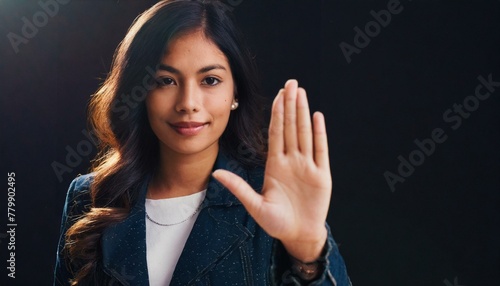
{"x": 297, "y": 186}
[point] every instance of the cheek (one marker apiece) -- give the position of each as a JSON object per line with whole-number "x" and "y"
{"x": 222, "y": 119}
{"x": 219, "y": 108}
{"x": 156, "y": 105}
{"x": 217, "y": 102}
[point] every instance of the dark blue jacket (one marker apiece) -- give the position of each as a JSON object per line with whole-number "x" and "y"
{"x": 225, "y": 247}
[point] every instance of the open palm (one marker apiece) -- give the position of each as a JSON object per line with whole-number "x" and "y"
{"x": 297, "y": 186}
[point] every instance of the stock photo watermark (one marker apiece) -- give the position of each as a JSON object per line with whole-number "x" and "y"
{"x": 454, "y": 117}
{"x": 49, "y": 9}
{"x": 363, "y": 37}
{"x": 122, "y": 106}
{"x": 74, "y": 156}
{"x": 11, "y": 224}
{"x": 31, "y": 27}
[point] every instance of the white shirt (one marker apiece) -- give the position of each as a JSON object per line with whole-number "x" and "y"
{"x": 164, "y": 244}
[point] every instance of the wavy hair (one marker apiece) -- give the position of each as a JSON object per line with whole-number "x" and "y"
{"x": 128, "y": 149}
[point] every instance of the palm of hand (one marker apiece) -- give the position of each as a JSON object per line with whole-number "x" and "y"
{"x": 297, "y": 183}
{"x": 295, "y": 197}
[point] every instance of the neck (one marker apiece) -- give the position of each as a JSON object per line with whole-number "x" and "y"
{"x": 182, "y": 175}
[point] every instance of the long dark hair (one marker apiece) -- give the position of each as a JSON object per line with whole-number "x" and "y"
{"x": 128, "y": 146}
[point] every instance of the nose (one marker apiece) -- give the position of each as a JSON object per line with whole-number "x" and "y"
{"x": 189, "y": 99}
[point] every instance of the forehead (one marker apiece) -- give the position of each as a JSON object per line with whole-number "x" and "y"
{"x": 193, "y": 50}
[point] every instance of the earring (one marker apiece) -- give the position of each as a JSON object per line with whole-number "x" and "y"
{"x": 234, "y": 105}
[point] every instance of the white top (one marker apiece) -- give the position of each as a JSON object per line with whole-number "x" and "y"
{"x": 164, "y": 244}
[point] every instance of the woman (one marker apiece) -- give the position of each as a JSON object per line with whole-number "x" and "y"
{"x": 183, "y": 191}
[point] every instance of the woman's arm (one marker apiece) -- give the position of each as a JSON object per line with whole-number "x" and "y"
{"x": 297, "y": 186}
{"x": 77, "y": 200}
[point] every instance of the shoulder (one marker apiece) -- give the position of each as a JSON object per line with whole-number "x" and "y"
{"x": 78, "y": 201}
{"x": 78, "y": 198}
{"x": 80, "y": 185}
{"x": 82, "y": 182}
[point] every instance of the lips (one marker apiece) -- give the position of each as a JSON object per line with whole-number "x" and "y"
{"x": 188, "y": 128}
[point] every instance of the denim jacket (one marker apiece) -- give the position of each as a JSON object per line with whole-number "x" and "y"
{"x": 225, "y": 247}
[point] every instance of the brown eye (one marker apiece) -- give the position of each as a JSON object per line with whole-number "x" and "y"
{"x": 165, "y": 81}
{"x": 211, "y": 81}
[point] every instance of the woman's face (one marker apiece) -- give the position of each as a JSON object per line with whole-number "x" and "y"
{"x": 190, "y": 108}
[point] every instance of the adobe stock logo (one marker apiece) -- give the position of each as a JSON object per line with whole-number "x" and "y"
{"x": 123, "y": 105}
{"x": 372, "y": 29}
{"x": 40, "y": 19}
{"x": 453, "y": 116}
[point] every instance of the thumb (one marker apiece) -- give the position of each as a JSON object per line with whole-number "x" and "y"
{"x": 240, "y": 189}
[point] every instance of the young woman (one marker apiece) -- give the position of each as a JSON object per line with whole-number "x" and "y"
{"x": 185, "y": 190}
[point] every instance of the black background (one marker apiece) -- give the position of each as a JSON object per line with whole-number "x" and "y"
{"x": 439, "y": 227}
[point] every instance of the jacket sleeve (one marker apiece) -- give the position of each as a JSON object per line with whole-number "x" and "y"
{"x": 77, "y": 202}
{"x": 332, "y": 267}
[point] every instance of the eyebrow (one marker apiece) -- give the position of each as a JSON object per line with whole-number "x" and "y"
{"x": 200, "y": 71}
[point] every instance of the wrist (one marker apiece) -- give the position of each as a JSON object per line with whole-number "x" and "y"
{"x": 306, "y": 250}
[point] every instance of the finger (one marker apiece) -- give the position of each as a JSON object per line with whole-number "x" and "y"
{"x": 291, "y": 115}
{"x": 320, "y": 141}
{"x": 276, "y": 145}
{"x": 240, "y": 189}
{"x": 304, "y": 123}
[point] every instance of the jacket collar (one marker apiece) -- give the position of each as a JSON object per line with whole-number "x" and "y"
{"x": 215, "y": 234}
{"x": 217, "y": 194}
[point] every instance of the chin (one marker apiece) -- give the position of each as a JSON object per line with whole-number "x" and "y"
{"x": 189, "y": 148}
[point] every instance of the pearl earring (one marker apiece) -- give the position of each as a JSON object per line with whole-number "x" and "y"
{"x": 234, "y": 105}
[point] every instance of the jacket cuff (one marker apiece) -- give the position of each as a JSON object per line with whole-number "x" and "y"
{"x": 281, "y": 265}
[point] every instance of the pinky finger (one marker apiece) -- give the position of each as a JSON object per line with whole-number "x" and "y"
{"x": 320, "y": 141}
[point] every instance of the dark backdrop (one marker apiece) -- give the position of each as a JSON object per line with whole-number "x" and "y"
{"x": 441, "y": 226}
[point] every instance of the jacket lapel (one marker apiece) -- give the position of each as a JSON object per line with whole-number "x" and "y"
{"x": 124, "y": 246}
{"x": 216, "y": 233}
{"x": 213, "y": 237}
